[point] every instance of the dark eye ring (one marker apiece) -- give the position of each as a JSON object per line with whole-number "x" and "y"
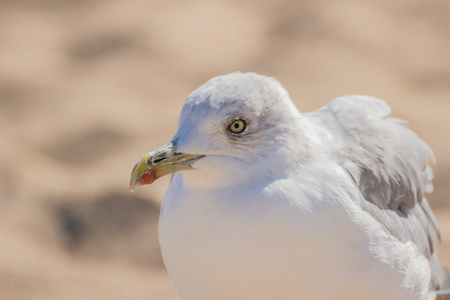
{"x": 237, "y": 126}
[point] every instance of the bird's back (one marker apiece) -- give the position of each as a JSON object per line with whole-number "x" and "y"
{"x": 390, "y": 165}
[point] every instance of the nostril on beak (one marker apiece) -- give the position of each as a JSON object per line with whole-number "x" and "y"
{"x": 159, "y": 159}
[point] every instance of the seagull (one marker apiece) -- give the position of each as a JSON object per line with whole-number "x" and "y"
{"x": 269, "y": 203}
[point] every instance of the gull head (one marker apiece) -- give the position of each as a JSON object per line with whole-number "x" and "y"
{"x": 231, "y": 128}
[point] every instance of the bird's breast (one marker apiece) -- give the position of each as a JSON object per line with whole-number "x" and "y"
{"x": 255, "y": 245}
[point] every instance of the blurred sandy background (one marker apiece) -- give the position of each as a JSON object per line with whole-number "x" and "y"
{"x": 88, "y": 86}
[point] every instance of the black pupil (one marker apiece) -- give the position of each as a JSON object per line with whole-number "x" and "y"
{"x": 236, "y": 125}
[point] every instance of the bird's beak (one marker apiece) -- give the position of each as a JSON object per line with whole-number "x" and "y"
{"x": 157, "y": 163}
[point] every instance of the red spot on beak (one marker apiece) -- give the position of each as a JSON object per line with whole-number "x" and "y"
{"x": 146, "y": 178}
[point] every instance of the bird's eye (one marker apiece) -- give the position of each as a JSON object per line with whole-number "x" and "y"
{"x": 237, "y": 126}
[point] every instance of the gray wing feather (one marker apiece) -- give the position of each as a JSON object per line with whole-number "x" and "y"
{"x": 390, "y": 165}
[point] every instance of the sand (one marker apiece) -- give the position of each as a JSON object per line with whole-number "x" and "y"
{"x": 88, "y": 86}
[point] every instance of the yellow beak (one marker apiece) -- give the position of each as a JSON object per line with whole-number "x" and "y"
{"x": 157, "y": 163}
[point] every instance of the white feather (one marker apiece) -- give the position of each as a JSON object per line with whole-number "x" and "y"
{"x": 322, "y": 205}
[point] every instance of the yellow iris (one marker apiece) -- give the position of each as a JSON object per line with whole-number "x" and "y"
{"x": 237, "y": 126}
